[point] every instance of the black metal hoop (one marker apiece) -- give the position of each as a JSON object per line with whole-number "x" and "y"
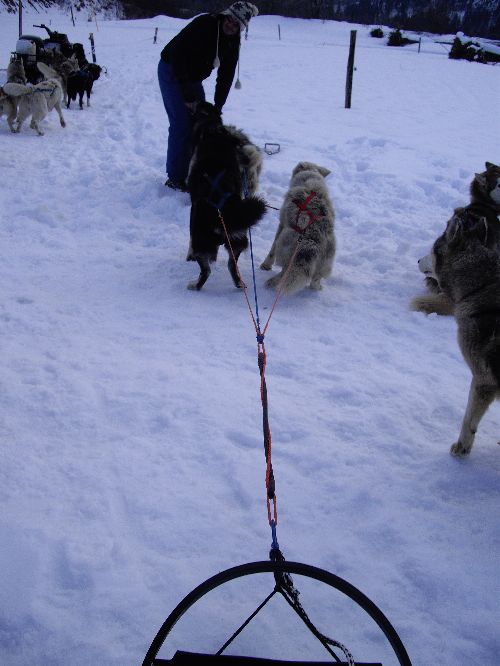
{"x": 306, "y": 570}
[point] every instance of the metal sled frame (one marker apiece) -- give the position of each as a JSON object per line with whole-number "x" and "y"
{"x": 276, "y": 568}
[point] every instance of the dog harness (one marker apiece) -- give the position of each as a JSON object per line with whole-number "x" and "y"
{"x": 45, "y": 90}
{"x": 216, "y": 197}
{"x": 304, "y": 217}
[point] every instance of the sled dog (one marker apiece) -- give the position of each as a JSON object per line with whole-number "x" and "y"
{"x": 36, "y": 101}
{"x": 62, "y": 68}
{"x": 224, "y": 165}
{"x": 467, "y": 270}
{"x": 8, "y": 104}
{"x": 8, "y": 107}
{"x": 81, "y": 82}
{"x": 481, "y": 215}
{"x": 304, "y": 245}
{"x": 15, "y": 71}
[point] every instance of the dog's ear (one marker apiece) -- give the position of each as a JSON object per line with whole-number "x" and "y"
{"x": 324, "y": 171}
{"x": 301, "y": 166}
{"x": 454, "y": 229}
{"x": 480, "y": 179}
{"x": 490, "y": 165}
{"x": 465, "y": 228}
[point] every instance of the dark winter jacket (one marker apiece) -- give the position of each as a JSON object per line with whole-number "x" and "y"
{"x": 192, "y": 52}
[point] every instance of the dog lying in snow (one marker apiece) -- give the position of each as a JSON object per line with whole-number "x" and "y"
{"x": 307, "y": 219}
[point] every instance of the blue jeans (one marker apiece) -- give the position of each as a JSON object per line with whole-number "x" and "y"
{"x": 181, "y": 124}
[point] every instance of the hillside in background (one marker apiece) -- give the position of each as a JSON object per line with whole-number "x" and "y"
{"x": 473, "y": 17}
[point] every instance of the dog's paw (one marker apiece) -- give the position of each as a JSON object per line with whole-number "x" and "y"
{"x": 459, "y": 450}
{"x": 63, "y": 124}
{"x": 266, "y": 265}
{"x": 316, "y": 286}
{"x": 193, "y": 286}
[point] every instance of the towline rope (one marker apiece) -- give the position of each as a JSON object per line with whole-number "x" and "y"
{"x": 284, "y": 581}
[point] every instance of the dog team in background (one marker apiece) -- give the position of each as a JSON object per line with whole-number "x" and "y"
{"x": 220, "y": 168}
{"x": 66, "y": 79}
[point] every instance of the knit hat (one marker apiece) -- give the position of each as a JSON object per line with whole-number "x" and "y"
{"x": 242, "y": 12}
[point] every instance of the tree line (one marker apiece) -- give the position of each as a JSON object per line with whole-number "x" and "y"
{"x": 473, "y": 17}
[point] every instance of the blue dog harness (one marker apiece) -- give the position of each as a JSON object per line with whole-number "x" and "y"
{"x": 217, "y": 196}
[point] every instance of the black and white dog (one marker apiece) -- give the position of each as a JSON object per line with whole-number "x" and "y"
{"x": 223, "y": 177}
{"x": 81, "y": 82}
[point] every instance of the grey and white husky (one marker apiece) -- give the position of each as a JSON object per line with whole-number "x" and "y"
{"x": 480, "y": 215}
{"x": 8, "y": 103}
{"x": 36, "y": 101}
{"x": 304, "y": 245}
{"x": 467, "y": 270}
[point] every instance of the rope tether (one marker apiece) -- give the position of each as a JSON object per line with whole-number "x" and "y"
{"x": 284, "y": 582}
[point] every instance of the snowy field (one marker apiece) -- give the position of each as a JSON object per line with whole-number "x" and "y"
{"x": 130, "y": 416}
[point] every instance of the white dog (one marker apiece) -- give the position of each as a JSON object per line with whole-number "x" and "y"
{"x": 8, "y": 104}
{"x": 9, "y": 108}
{"x": 304, "y": 245}
{"x": 36, "y": 101}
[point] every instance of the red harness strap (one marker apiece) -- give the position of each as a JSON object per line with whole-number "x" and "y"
{"x": 303, "y": 212}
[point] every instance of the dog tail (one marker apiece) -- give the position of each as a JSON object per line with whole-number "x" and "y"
{"x": 48, "y": 72}
{"x": 16, "y": 89}
{"x": 435, "y": 303}
{"x": 241, "y": 214}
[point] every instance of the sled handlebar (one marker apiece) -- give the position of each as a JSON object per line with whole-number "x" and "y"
{"x": 42, "y": 25}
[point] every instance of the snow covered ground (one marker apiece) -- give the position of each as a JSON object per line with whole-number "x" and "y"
{"x": 130, "y": 417}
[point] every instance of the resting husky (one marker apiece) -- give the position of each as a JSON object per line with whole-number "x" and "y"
{"x": 482, "y": 211}
{"x": 223, "y": 169}
{"x": 36, "y": 101}
{"x": 467, "y": 271}
{"x": 306, "y": 218}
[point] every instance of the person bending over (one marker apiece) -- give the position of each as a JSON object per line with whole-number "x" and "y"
{"x": 208, "y": 42}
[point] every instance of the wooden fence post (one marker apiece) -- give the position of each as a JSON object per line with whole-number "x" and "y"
{"x": 156, "y": 34}
{"x": 279, "y": 32}
{"x": 20, "y": 17}
{"x": 92, "y": 47}
{"x": 350, "y": 70}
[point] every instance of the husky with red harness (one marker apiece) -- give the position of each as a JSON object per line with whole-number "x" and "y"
{"x": 304, "y": 245}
